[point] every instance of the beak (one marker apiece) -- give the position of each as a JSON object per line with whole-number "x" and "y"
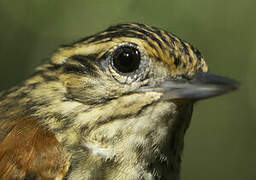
{"x": 200, "y": 86}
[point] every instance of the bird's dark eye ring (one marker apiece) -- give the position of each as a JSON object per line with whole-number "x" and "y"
{"x": 126, "y": 59}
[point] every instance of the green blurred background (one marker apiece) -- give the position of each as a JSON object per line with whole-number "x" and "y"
{"x": 220, "y": 143}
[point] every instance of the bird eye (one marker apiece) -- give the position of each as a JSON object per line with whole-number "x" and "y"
{"x": 126, "y": 59}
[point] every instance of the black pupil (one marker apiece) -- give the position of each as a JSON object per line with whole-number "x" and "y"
{"x": 126, "y": 59}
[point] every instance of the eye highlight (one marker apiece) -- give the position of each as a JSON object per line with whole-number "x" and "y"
{"x": 126, "y": 59}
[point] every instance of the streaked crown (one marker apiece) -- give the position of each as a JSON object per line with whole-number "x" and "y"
{"x": 180, "y": 56}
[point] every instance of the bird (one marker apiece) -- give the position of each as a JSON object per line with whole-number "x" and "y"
{"x": 114, "y": 105}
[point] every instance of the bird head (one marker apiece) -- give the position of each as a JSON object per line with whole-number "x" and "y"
{"x": 136, "y": 58}
{"x": 119, "y": 102}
